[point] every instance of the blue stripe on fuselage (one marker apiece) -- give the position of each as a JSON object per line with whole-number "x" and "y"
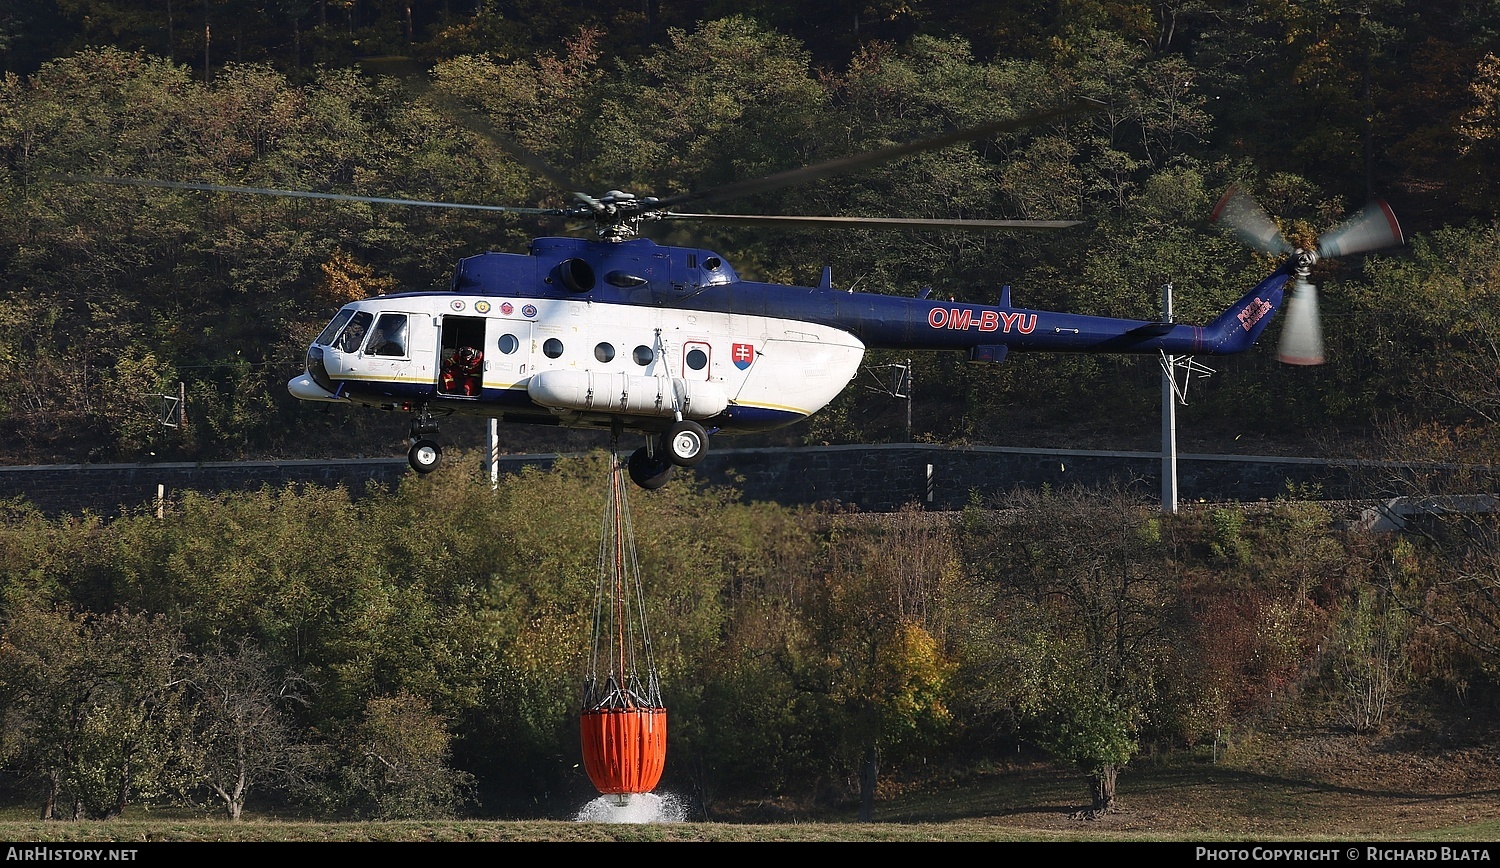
{"x": 641, "y": 273}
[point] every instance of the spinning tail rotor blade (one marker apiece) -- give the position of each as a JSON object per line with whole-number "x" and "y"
{"x": 1374, "y": 227}
{"x": 1250, "y": 222}
{"x": 1301, "y": 334}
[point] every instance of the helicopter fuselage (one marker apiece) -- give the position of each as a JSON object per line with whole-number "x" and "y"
{"x": 635, "y": 336}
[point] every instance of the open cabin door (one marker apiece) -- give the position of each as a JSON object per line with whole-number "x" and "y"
{"x": 461, "y": 356}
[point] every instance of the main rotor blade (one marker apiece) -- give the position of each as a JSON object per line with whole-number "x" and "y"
{"x": 1373, "y": 227}
{"x": 855, "y": 222}
{"x": 303, "y": 194}
{"x": 1302, "y": 333}
{"x": 1250, "y": 222}
{"x": 854, "y": 162}
{"x": 418, "y": 81}
{"x": 475, "y": 123}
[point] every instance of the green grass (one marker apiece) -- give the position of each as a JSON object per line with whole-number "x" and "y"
{"x": 1183, "y": 800}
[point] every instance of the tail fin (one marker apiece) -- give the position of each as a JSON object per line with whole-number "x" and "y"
{"x": 1237, "y": 328}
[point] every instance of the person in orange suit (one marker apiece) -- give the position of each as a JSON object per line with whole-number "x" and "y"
{"x": 461, "y": 374}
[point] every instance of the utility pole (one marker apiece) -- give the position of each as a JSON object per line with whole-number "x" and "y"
{"x": 910, "y": 377}
{"x": 1168, "y": 416}
{"x": 1171, "y": 393}
{"x": 494, "y": 453}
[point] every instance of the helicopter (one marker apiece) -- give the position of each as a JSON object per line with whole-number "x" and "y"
{"x": 618, "y": 333}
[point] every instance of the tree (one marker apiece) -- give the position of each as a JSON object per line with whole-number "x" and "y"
{"x": 1426, "y": 347}
{"x": 1434, "y": 388}
{"x": 1086, "y": 628}
{"x": 728, "y": 101}
{"x": 1479, "y": 126}
{"x": 870, "y": 652}
{"x": 397, "y": 763}
{"x": 242, "y": 732}
{"x": 1370, "y": 655}
{"x": 94, "y": 707}
{"x": 1441, "y": 575}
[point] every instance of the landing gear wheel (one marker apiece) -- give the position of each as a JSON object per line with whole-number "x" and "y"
{"x": 649, "y": 472}
{"x": 425, "y": 455}
{"x": 686, "y": 443}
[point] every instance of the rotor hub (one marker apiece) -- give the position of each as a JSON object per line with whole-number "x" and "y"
{"x": 1306, "y": 259}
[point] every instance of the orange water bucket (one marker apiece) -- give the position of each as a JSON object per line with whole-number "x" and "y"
{"x": 624, "y": 749}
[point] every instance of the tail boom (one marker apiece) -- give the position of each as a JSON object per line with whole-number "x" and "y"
{"x": 885, "y": 322}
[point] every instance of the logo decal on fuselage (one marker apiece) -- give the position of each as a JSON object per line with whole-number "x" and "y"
{"x": 743, "y": 355}
{"x": 986, "y": 321}
{"x": 1253, "y": 313}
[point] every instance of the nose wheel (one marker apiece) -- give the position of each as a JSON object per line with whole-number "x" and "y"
{"x": 425, "y": 455}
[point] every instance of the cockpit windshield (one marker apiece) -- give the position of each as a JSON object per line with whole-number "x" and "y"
{"x": 354, "y": 333}
{"x": 326, "y": 336}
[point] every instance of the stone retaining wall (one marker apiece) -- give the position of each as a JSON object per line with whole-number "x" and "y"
{"x": 874, "y": 478}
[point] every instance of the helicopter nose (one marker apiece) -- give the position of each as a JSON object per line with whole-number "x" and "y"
{"x": 305, "y": 388}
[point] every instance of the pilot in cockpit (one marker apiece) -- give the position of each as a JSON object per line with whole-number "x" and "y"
{"x": 352, "y": 337}
{"x": 386, "y": 342}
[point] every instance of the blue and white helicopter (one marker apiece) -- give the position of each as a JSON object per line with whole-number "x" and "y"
{"x": 617, "y": 333}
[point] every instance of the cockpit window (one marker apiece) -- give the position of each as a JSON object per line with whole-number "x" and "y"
{"x": 390, "y": 336}
{"x": 354, "y": 333}
{"x": 326, "y": 338}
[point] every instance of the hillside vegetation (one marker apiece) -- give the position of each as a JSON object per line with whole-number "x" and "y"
{"x": 416, "y": 654}
{"x": 115, "y": 296}
{"x": 419, "y": 653}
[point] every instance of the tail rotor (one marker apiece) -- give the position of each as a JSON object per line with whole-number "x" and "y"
{"x": 1250, "y": 222}
{"x": 1373, "y": 227}
{"x": 1302, "y": 332}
